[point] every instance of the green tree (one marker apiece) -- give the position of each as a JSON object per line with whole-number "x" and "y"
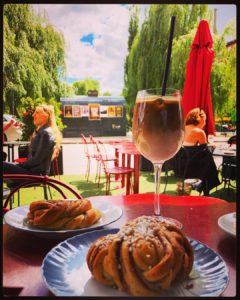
{"x": 223, "y": 78}
{"x": 180, "y": 54}
{"x": 33, "y": 56}
{"x": 133, "y": 32}
{"x": 81, "y": 87}
{"x": 147, "y": 55}
{"x": 107, "y": 93}
{"x": 133, "y": 24}
{"x": 66, "y": 90}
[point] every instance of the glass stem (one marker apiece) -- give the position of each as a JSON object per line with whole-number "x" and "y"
{"x": 157, "y": 173}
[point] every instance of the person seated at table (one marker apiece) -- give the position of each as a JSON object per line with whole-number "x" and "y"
{"x": 194, "y": 133}
{"x": 194, "y": 124}
{"x": 44, "y": 145}
{"x": 194, "y": 158}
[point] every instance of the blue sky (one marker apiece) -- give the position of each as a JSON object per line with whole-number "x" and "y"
{"x": 224, "y": 14}
{"x": 96, "y": 38}
{"x": 87, "y": 39}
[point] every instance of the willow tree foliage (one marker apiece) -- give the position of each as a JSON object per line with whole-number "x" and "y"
{"x": 147, "y": 56}
{"x": 33, "y": 57}
{"x": 133, "y": 30}
{"x": 223, "y": 75}
{"x": 66, "y": 90}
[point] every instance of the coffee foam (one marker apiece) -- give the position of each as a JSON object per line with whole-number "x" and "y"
{"x": 155, "y": 98}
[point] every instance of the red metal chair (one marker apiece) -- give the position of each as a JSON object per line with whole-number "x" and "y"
{"x": 97, "y": 156}
{"x": 34, "y": 180}
{"x": 88, "y": 155}
{"x": 54, "y": 165}
{"x": 101, "y": 154}
{"x": 116, "y": 171}
{"x": 120, "y": 171}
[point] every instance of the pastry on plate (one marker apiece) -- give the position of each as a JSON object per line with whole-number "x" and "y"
{"x": 145, "y": 257}
{"x": 62, "y": 214}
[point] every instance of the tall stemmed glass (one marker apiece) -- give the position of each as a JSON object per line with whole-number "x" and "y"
{"x": 158, "y": 130}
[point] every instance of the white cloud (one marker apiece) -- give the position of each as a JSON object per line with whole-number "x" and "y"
{"x": 104, "y": 60}
{"x": 109, "y": 24}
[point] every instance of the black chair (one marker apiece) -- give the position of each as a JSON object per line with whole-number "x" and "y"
{"x": 196, "y": 162}
{"x": 168, "y": 166}
{"x": 232, "y": 140}
{"x": 229, "y": 171}
{"x": 23, "y": 151}
{"x": 228, "y": 168}
{"x": 34, "y": 180}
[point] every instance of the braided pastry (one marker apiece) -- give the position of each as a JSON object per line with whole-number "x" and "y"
{"x": 143, "y": 258}
{"x": 62, "y": 214}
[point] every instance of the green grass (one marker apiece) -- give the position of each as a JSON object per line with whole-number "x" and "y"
{"x": 90, "y": 188}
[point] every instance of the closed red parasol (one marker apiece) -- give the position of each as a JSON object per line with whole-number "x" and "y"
{"x": 196, "y": 92}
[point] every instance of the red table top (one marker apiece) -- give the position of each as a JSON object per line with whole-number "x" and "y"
{"x": 23, "y": 253}
{"x": 128, "y": 148}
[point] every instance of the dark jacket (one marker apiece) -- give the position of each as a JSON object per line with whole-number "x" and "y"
{"x": 41, "y": 151}
{"x": 196, "y": 162}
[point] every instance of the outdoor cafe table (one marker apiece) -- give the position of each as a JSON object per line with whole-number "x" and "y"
{"x": 130, "y": 150}
{"x": 23, "y": 253}
{"x": 10, "y": 148}
{"x": 229, "y": 152}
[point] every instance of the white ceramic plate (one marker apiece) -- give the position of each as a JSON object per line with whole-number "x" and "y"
{"x": 16, "y": 218}
{"x": 65, "y": 271}
{"x": 228, "y": 223}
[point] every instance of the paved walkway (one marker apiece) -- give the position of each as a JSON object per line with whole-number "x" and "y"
{"x": 74, "y": 160}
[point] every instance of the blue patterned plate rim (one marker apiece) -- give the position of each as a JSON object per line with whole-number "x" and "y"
{"x": 65, "y": 271}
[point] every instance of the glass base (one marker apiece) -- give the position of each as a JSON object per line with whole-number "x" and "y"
{"x": 170, "y": 221}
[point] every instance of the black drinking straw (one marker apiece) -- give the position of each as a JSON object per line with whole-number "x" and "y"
{"x": 169, "y": 50}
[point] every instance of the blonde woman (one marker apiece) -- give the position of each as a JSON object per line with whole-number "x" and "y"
{"x": 44, "y": 146}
